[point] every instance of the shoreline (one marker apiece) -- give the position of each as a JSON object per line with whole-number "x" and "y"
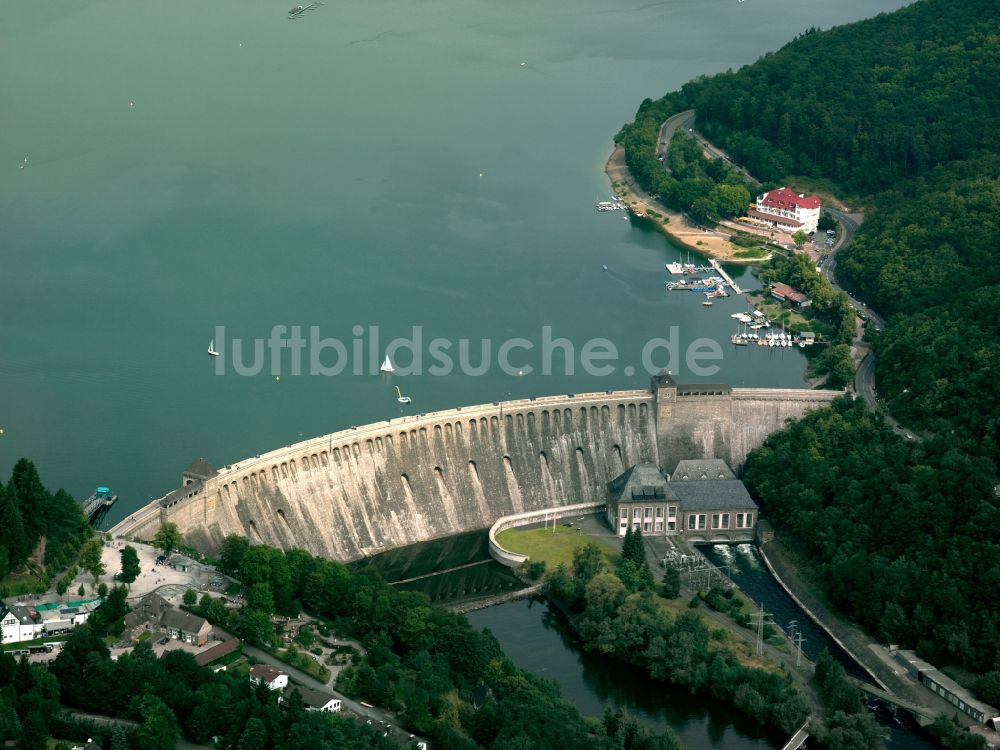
{"x": 713, "y": 244}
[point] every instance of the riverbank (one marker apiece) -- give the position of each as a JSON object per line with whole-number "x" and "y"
{"x": 713, "y": 244}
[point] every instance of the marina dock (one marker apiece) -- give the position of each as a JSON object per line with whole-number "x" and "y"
{"x": 717, "y": 267}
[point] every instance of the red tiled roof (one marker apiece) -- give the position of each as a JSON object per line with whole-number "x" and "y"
{"x": 217, "y": 651}
{"x": 788, "y": 200}
{"x": 784, "y": 220}
{"x": 788, "y": 293}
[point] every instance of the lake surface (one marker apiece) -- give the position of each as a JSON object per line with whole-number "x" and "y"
{"x": 380, "y": 164}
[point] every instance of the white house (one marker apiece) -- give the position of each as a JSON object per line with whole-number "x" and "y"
{"x": 18, "y": 624}
{"x": 25, "y": 623}
{"x": 785, "y": 209}
{"x": 265, "y": 674}
{"x": 316, "y": 700}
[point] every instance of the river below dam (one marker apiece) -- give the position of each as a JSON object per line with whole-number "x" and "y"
{"x": 175, "y": 174}
{"x": 537, "y": 639}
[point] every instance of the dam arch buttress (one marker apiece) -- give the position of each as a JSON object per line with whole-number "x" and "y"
{"x": 367, "y": 489}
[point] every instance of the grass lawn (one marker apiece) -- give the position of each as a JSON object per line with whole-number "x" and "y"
{"x": 553, "y": 547}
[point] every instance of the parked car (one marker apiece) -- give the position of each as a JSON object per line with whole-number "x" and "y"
{"x": 165, "y": 640}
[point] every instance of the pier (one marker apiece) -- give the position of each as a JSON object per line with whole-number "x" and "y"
{"x": 728, "y": 279}
{"x": 96, "y": 506}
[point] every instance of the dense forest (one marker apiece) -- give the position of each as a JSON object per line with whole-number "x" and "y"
{"x": 30, "y": 513}
{"x": 905, "y": 533}
{"x": 899, "y": 112}
{"x": 899, "y": 109}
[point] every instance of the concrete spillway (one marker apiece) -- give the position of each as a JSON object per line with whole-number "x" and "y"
{"x": 367, "y": 489}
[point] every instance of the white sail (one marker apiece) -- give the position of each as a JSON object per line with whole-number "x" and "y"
{"x": 211, "y": 349}
{"x": 387, "y": 365}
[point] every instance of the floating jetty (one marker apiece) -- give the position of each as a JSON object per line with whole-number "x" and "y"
{"x": 97, "y": 505}
{"x": 615, "y": 204}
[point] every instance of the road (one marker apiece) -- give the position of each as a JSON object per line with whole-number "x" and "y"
{"x": 373, "y": 715}
{"x": 864, "y": 379}
{"x": 683, "y": 119}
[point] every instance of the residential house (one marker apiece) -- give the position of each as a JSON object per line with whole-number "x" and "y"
{"x": 22, "y": 622}
{"x": 315, "y": 700}
{"x": 146, "y": 614}
{"x": 18, "y": 624}
{"x": 265, "y": 674}
{"x": 186, "y": 627}
{"x": 794, "y": 297}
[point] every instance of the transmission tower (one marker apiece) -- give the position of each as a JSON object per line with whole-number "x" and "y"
{"x": 762, "y": 618}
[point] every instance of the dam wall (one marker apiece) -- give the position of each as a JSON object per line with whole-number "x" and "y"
{"x": 361, "y": 491}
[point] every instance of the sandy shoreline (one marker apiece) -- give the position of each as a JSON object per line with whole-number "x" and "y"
{"x": 714, "y": 244}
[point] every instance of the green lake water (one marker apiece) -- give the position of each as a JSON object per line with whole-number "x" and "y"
{"x": 382, "y": 163}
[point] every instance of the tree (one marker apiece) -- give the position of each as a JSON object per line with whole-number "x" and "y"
{"x": 102, "y": 590}
{"x": 826, "y": 222}
{"x": 799, "y": 238}
{"x": 231, "y": 553}
{"x": 671, "y": 583}
{"x": 81, "y": 591}
{"x": 130, "y": 564}
{"x": 167, "y": 538}
{"x": 254, "y": 736}
{"x": 91, "y": 558}
{"x": 119, "y": 740}
{"x": 190, "y": 598}
{"x": 159, "y": 730}
{"x": 12, "y": 533}
{"x": 259, "y": 598}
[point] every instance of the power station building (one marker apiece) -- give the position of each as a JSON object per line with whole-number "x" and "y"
{"x": 702, "y": 501}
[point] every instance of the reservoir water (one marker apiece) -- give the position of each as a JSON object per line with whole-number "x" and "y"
{"x": 382, "y": 164}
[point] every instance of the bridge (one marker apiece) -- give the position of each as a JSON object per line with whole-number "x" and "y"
{"x": 922, "y": 714}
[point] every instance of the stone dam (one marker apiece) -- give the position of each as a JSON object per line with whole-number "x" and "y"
{"x": 367, "y": 489}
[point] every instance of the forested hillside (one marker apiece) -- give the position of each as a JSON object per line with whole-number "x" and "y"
{"x": 29, "y": 512}
{"x": 906, "y": 533}
{"x": 900, "y": 111}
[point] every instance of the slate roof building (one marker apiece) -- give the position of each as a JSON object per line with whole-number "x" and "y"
{"x": 703, "y": 502}
{"x": 315, "y": 700}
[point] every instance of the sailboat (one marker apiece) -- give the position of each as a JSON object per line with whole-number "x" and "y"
{"x": 400, "y": 397}
{"x": 211, "y": 349}
{"x": 387, "y": 365}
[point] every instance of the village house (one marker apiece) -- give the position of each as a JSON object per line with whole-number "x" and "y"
{"x": 154, "y": 613}
{"x": 703, "y": 502}
{"x": 794, "y": 297}
{"x": 265, "y": 674}
{"x": 186, "y": 627}
{"x": 787, "y": 210}
{"x": 314, "y": 700}
{"x": 21, "y": 622}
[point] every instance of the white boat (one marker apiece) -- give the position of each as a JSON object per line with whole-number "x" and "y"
{"x": 387, "y": 365}
{"x": 400, "y": 397}
{"x": 211, "y": 349}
